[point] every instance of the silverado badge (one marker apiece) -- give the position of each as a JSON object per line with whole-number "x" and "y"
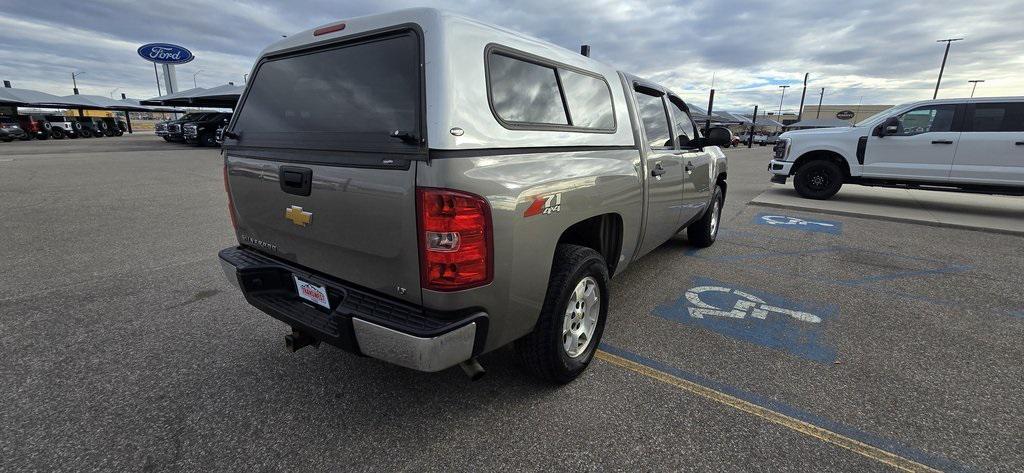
{"x": 298, "y": 216}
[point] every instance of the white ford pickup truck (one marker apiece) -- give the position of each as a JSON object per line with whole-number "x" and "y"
{"x": 973, "y": 145}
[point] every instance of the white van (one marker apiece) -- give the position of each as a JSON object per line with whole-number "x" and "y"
{"x": 974, "y": 145}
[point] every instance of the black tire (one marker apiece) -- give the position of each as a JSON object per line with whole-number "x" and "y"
{"x": 207, "y": 140}
{"x": 85, "y": 132}
{"x": 703, "y": 232}
{"x": 542, "y": 351}
{"x": 818, "y": 179}
{"x": 43, "y": 136}
{"x": 57, "y": 133}
{"x": 167, "y": 139}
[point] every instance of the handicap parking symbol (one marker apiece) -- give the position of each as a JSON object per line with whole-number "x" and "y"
{"x": 796, "y": 223}
{"x": 754, "y": 316}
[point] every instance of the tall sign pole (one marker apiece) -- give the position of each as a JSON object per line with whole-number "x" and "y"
{"x": 820, "y": 98}
{"x": 943, "y": 66}
{"x": 157, "y": 75}
{"x": 711, "y": 105}
{"x": 753, "y": 124}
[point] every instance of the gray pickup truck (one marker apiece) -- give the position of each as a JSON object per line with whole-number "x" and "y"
{"x": 422, "y": 188}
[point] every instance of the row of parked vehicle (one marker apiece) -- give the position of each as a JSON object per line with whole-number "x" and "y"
{"x": 196, "y": 128}
{"x": 44, "y": 127}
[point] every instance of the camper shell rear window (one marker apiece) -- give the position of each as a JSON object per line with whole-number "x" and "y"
{"x": 342, "y": 97}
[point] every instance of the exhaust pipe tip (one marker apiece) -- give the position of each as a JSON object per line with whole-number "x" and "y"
{"x": 473, "y": 369}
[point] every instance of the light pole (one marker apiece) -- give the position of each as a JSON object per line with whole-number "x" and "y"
{"x": 943, "y": 66}
{"x": 194, "y": 85}
{"x": 974, "y": 86}
{"x": 779, "y": 115}
{"x": 74, "y": 82}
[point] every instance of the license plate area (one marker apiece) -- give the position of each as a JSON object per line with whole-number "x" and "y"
{"x": 313, "y": 293}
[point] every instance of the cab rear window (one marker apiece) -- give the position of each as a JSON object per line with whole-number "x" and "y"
{"x": 351, "y": 97}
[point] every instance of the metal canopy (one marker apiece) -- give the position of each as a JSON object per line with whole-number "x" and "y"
{"x": 223, "y": 96}
{"x": 31, "y": 98}
{"x": 820, "y": 123}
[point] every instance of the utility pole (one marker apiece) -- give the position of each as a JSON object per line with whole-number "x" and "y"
{"x": 974, "y": 86}
{"x": 943, "y": 66}
{"x": 779, "y": 116}
{"x": 753, "y": 124}
{"x": 800, "y": 113}
{"x": 820, "y": 99}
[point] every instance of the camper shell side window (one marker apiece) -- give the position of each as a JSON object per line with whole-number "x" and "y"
{"x": 527, "y": 92}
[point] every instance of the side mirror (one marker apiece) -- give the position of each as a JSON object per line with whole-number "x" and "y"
{"x": 890, "y": 126}
{"x": 718, "y": 136}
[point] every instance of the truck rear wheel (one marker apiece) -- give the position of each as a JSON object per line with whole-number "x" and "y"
{"x": 570, "y": 325}
{"x": 818, "y": 179}
{"x": 703, "y": 232}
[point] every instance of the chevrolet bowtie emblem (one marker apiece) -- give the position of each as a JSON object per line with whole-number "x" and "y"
{"x": 298, "y": 216}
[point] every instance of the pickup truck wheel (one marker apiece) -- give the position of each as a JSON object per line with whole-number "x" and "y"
{"x": 571, "y": 322}
{"x": 207, "y": 140}
{"x": 818, "y": 179}
{"x": 57, "y": 133}
{"x": 703, "y": 232}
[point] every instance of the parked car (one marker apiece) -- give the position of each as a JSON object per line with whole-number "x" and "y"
{"x": 35, "y": 126}
{"x": 62, "y": 126}
{"x": 172, "y": 129}
{"x": 203, "y": 132}
{"x": 12, "y": 131}
{"x": 425, "y": 227}
{"x": 87, "y": 128}
{"x": 111, "y": 126}
{"x": 972, "y": 144}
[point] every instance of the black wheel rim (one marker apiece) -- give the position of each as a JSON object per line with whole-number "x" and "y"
{"x": 818, "y": 180}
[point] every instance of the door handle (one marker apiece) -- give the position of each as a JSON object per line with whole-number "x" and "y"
{"x": 658, "y": 170}
{"x": 1019, "y": 143}
{"x": 942, "y": 142}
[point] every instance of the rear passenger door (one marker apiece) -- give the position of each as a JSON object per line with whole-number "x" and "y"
{"x": 664, "y": 169}
{"x": 991, "y": 149}
{"x": 696, "y": 162}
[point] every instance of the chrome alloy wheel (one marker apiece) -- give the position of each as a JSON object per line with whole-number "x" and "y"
{"x": 716, "y": 212}
{"x": 581, "y": 315}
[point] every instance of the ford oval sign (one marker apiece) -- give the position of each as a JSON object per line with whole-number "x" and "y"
{"x": 845, "y": 114}
{"x": 164, "y": 53}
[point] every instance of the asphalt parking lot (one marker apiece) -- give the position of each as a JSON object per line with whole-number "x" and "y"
{"x": 820, "y": 343}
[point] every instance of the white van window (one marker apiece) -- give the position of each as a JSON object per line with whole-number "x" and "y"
{"x": 589, "y": 100}
{"x": 653, "y": 115}
{"x": 525, "y": 92}
{"x": 927, "y": 119}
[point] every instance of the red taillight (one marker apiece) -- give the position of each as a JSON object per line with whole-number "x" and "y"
{"x": 329, "y": 29}
{"x": 231, "y": 203}
{"x": 455, "y": 239}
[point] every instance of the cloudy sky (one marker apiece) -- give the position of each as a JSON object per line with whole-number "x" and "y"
{"x": 874, "y": 52}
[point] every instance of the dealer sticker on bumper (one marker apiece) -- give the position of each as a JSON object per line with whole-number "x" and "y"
{"x": 312, "y": 292}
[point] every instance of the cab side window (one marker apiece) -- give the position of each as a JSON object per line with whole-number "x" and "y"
{"x": 998, "y": 117}
{"x": 927, "y": 119}
{"x": 651, "y": 109}
{"x": 682, "y": 124}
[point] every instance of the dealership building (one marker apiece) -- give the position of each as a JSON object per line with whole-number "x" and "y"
{"x": 851, "y": 113}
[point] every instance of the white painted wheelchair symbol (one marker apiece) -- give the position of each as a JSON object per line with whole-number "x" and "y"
{"x": 748, "y": 305}
{"x": 783, "y": 220}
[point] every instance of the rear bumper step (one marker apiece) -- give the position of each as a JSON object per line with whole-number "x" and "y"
{"x": 361, "y": 321}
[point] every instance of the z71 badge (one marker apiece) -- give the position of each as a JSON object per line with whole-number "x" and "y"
{"x": 544, "y": 204}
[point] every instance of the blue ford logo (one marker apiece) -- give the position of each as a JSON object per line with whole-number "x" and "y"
{"x": 165, "y": 53}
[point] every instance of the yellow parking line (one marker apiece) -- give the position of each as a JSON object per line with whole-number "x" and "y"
{"x": 798, "y": 425}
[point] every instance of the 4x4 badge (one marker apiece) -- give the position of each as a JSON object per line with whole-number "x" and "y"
{"x": 544, "y": 204}
{"x": 298, "y": 216}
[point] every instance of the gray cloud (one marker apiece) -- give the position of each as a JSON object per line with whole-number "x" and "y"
{"x": 870, "y": 51}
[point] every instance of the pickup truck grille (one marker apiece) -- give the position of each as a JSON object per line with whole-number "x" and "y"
{"x": 161, "y": 127}
{"x": 174, "y": 128}
{"x": 190, "y": 130}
